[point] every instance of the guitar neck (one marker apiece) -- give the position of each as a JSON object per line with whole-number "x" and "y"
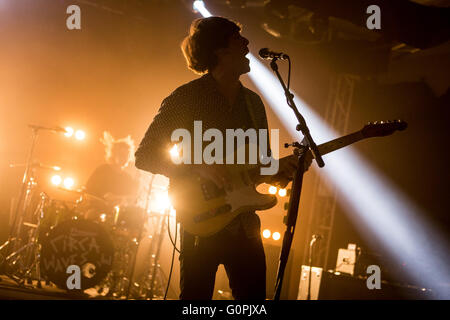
{"x": 324, "y": 148}
{"x": 341, "y": 142}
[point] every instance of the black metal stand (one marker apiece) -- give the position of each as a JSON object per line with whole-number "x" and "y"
{"x": 294, "y": 201}
{"x": 291, "y": 219}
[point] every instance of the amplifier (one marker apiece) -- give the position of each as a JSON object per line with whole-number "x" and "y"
{"x": 328, "y": 285}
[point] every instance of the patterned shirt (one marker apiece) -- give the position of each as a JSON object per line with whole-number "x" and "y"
{"x": 198, "y": 100}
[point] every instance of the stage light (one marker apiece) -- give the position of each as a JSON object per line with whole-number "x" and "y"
{"x": 68, "y": 183}
{"x": 56, "y": 180}
{"x": 276, "y": 236}
{"x": 103, "y": 217}
{"x": 80, "y": 135}
{"x": 56, "y": 168}
{"x": 175, "y": 154}
{"x": 69, "y": 132}
{"x": 272, "y": 190}
{"x": 379, "y": 210}
{"x": 200, "y": 7}
{"x": 266, "y": 233}
{"x": 161, "y": 202}
{"x": 282, "y": 192}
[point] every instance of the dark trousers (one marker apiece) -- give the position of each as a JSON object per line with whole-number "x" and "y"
{"x": 243, "y": 259}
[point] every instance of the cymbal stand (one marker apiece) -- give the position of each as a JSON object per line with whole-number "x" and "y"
{"x": 14, "y": 245}
{"x": 24, "y": 198}
{"x": 31, "y": 251}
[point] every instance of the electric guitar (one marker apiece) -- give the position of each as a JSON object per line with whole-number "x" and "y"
{"x": 203, "y": 209}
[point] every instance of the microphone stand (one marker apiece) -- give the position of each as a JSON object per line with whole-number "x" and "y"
{"x": 310, "y": 258}
{"x": 294, "y": 200}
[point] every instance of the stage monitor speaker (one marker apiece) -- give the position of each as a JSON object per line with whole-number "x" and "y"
{"x": 316, "y": 277}
{"x": 326, "y": 285}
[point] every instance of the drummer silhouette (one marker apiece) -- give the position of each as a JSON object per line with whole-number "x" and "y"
{"x": 110, "y": 185}
{"x": 110, "y": 181}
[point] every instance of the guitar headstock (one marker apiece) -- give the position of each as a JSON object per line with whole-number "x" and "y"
{"x": 383, "y": 128}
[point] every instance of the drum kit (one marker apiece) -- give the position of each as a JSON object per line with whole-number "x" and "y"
{"x": 100, "y": 237}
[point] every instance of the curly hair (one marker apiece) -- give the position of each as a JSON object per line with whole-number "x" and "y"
{"x": 111, "y": 144}
{"x": 206, "y": 35}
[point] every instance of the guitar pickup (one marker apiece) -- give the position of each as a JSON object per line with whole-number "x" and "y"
{"x": 212, "y": 213}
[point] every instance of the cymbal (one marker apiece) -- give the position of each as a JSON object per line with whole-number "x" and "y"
{"x": 35, "y": 164}
{"x": 83, "y": 193}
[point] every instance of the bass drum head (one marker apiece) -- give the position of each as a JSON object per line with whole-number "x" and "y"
{"x": 79, "y": 243}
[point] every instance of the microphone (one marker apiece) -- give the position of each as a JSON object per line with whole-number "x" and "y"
{"x": 317, "y": 236}
{"x": 267, "y": 54}
{"x": 314, "y": 238}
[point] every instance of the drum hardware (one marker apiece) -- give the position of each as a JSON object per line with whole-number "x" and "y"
{"x": 156, "y": 267}
{"x": 15, "y": 241}
{"x": 114, "y": 239}
{"x": 151, "y": 283}
{"x": 27, "y": 258}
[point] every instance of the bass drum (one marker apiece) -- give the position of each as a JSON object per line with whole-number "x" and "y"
{"x": 79, "y": 243}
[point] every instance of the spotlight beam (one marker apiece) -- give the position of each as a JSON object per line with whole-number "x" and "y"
{"x": 381, "y": 210}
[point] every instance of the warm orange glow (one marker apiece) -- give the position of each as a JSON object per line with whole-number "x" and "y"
{"x": 80, "y": 135}
{"x": 282, "y": 192}
{"x": 266, "y": 233}
{"x": 175, "y": 153}
{"x": 69, "y": 132}
{"x": 68, "y": 183}
{"x": 162, "y": 202}
{"x": 276, "y": 236}
{"x": 272, "y": 190}
{"x": 56, "y": 180}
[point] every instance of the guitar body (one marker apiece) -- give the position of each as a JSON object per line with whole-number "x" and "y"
{"x": 203, "y": 209}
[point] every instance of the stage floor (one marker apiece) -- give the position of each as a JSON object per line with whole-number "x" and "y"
{"x": 11, "y": 290}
